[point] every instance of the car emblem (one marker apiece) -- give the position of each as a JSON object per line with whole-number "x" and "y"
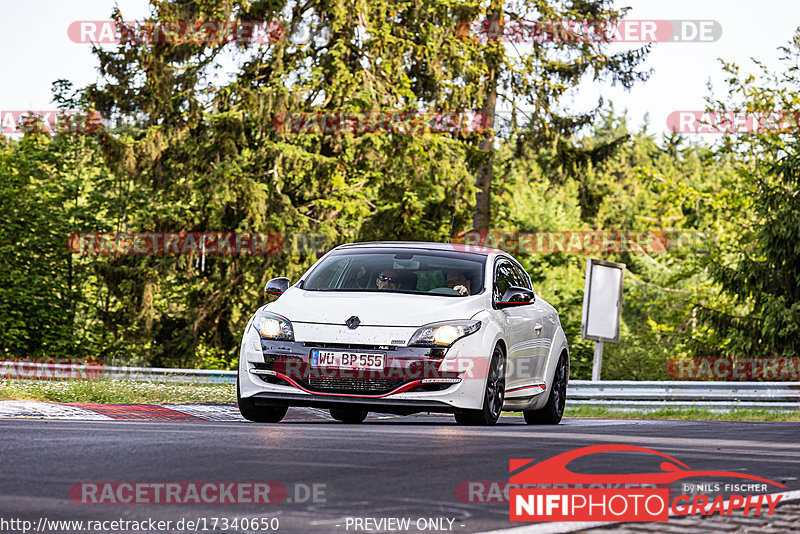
{"x": 353, "y": 322}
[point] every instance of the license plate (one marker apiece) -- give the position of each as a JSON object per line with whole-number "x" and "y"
{"x": 347, "y": 360}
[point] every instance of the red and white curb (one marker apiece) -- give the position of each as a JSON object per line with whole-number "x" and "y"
{"x": 89, "y": 411}
{"x": 46, "y": 410}
{"x": 116, "y": 412}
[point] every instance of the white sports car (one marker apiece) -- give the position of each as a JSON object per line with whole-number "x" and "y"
{"x": 401, "y": 327}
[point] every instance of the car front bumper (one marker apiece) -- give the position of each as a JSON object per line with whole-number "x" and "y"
{"x": 414, "y": 379}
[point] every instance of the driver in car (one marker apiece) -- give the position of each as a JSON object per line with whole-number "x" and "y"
{"x": 458, "y": 280}
{"x": 387, "y": 279}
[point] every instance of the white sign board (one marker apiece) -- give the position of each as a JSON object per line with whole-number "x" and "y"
{"x": 602, "y": 301}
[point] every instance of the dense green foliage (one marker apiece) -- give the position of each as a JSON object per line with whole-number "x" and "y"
{"x": 762, "y": 277}
{"x": 194, "y": 150}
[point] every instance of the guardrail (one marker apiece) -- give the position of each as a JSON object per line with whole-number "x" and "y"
{"x": 616, "y": 394}
{"x": 35, "y": 370}
{"x": 631, "y": 394}
{"x": 155, "y": 374}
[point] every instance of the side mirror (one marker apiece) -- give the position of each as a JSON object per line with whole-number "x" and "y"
{"x": 516, "y": 296}
{"x": 277, "y": 286}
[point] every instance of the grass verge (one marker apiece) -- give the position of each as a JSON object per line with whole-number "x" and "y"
{"x": 116, "y": 392}
{"x": 683, "y": 414}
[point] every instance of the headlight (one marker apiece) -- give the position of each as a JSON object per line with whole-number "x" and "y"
{"x": 443, "y": 334}
{"x": 272, "y": 326}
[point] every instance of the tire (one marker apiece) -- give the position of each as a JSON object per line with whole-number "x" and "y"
{"x": 259, "y": 414}
{"x": 349, "y": 415}
{"x": 553, "y": 411}
{"x": 493, "y": 395}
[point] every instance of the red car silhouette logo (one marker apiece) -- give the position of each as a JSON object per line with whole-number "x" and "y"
{"x": 554, "y": 470}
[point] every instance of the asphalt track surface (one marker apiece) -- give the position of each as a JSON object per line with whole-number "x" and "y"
{"x": 391, "y": 467}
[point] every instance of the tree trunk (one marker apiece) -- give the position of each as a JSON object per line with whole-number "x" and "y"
{"x": 483, "y": 196}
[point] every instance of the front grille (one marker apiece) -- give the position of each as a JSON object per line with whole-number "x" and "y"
{"x": 374, "y": 386}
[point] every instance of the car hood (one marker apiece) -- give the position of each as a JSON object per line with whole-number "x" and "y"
{"x": 372, "y": 308}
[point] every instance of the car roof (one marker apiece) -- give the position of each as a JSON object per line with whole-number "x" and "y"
{"x": 425, "y": 245}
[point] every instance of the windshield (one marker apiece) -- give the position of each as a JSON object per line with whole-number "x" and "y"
{"x": 405, "y": 271}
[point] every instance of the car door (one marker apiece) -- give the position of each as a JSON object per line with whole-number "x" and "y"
{"x": 522, "y": 325}
{"x": 541, "y": 337}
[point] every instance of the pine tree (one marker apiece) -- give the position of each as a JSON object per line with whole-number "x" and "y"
{"x": 761, "y": 276}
